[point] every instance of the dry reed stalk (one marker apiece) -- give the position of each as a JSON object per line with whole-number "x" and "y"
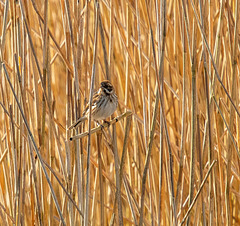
{"x": 101, "y": 193}
{"x": 198, "y": 193}
{"x": 70, "y": 27}
{"x": 44, "y": 91}
{"x": 212, "y": 61}
{"x": 94, "y": 130}
{"x": 118, "y": 183}
{"x": 104, "y": 48}
{"x": 45, "y": 75}
{"x": 161, "y": 102}
{"x": 208, "y": 124}
{"x": 193, "y": 115}
{"x": 183, "y": 130}
{"x": 68, "y": 195}
{"x": 53, "y": 39}
{"x": 78, "y": 112}
{"x": 35, "y": 147}
{"x": 149, "y": 150}
{"x": 160, "y": 40}
{"x": 93, "y": 216}
{"x": 199, "y": 149}
{"x": 141, "y": 74}
{"x": 7, "y": 214}
{"x": 4, "y": 28}
{"x": 110, "y": 46}
{"x": 209, "y": 120}
{"x": 121, "y": 165}
{"x": 232, "y": 115}
{"x": 68, "y": 41}
{"x": 47, "y": 48}
{"x": 231, "y": 100}
{"x": 89, "y": 117}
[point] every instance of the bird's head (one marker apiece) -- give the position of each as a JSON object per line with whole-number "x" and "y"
{"x": 107, "y": 87}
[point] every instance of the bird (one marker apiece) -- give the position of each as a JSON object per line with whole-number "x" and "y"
{"x": 104, "y": 104}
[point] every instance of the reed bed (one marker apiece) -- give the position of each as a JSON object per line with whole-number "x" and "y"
{"x": 170, "y": 155}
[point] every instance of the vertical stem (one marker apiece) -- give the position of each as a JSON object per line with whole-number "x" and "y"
{"x": 159, "y": 35}
{"x": 89, "y": 117}
{"x": 99, "y": 147}
{"x": 208, "y": 124}
{"x": 193, "y": 118}
{"x": 142, "y": 80}
{"x": 199, "y": 150}
{"x": 127, "y": 82}
{"x": 232, "y": 115}
{"x": 147, "y": 161}
{"x": 117, "y": 174}
{"x": 182, "y": 146}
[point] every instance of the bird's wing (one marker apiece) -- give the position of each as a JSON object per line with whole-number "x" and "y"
{"x": 95, "y": 100}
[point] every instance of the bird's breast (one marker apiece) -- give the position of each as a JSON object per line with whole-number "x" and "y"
{"x": 105, "y": 109}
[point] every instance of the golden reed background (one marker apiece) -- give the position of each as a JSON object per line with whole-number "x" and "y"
{"x": 174, "y": 160}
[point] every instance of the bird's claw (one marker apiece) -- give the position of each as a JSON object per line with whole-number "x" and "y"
{"x": 99, "y": 124}
{"x": 107, "y": 122}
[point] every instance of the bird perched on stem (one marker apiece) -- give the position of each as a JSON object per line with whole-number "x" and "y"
{"x": 104, "y": 104}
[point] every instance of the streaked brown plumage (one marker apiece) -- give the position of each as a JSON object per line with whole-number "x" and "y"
{"x": 104, "y": 104}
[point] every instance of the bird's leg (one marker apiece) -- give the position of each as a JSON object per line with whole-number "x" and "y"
{"x": 107, "y": 122}
{"x": 99, "y": 124}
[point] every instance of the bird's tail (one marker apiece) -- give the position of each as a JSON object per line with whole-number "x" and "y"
{"x": 78, "y": 122}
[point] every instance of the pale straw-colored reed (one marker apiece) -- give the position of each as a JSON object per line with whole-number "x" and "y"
{"x": 171, "y": 156}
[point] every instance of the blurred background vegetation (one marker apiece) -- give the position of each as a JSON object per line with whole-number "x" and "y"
{"x": 172, "y": 159}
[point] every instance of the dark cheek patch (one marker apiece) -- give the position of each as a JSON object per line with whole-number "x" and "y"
{"x": 107, "y": 91}
{"x": 109, "y": 88}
